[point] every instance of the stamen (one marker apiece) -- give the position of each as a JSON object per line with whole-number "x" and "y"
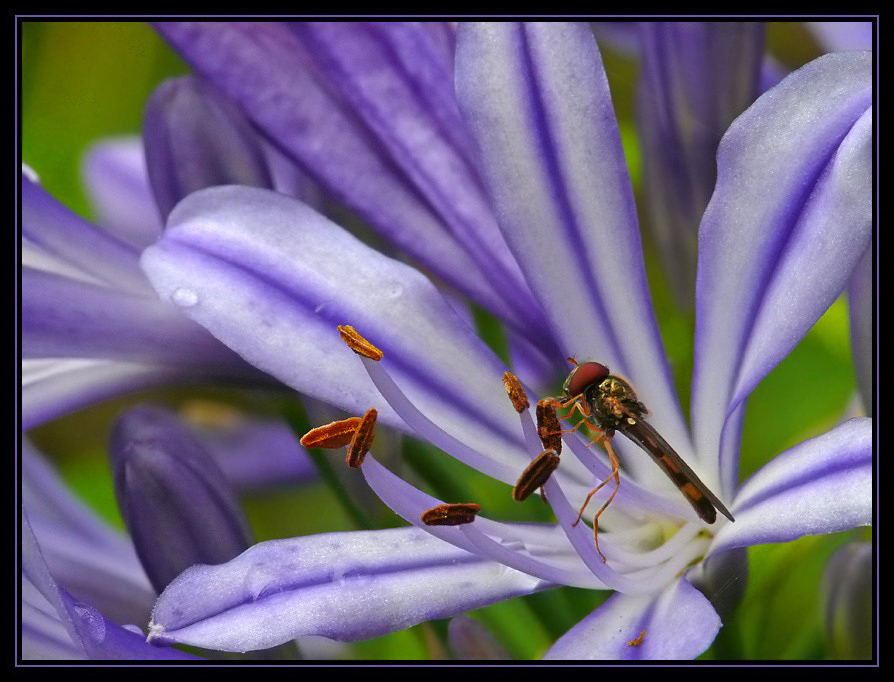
{"x": 515, "y": 392}
{"x": 557, "y": 565}
{"x": 582, "y": 541}
{"x": 427, "y": 429}
{"x": 551, "y": 568}
{"x": 333, "y": 435}
{"x": 548, "y": 427}
{"x": 363, "y": 438}
{"x": 638, "y": 640}
{"x": 655, "y": 576}
{"x": 358, "y": 344}
{"x": 455, "y": 514}
{"x": 535, "y": 475}
{"x": 663, "y": 552}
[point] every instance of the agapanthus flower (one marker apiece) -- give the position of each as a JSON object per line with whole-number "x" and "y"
{"x": 789, "y": 220}
{"x": 512, "y": 190}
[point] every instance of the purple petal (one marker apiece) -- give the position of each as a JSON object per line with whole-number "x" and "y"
{"x": 272, "y": 279}
{"x": 822, "y": 485}
{"x": 696, "y": 78}
{"x": 175, "y": 501}
{"x": 90, "y": 560}
{"x": 53, "y": 388}
{"x": 536, "y": 100}
{"x": 776, "y": 166}
{"x": 54, "y": 229}
{"x": 540, "y": 551}
{"x": 62, "y": 317}
{"x": 195, "y": 138}
{"x": 252, "y": 453}
{"x": 43, "y": 636}
{"x": 398, "y": 84}
{"x": 678, "y": 623}
{"x": 114, "y": 173}
{"x": 263, "y": 67}
{"x": 345, "y": 586}
{"x": 105, "y": 640}
{"x": 92, "y": 633}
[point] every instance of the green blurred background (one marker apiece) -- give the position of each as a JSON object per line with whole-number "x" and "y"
{"x": 83, "y": 81}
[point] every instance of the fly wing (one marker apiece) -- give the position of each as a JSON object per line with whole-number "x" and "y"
{"x": 702, "y": 500}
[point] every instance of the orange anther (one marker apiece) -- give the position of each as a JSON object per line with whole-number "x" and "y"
{"x": 358, "y": 344}
{"x": 332, "y": 435}
{"x": 515, "y": 392}
{"x": 363, "y": 438}
{"x": 455, "y": 514}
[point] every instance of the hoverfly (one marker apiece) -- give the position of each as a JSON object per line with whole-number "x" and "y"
{"x": 609, "y": 404}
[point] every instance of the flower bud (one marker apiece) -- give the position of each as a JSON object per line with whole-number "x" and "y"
{"x": 175, "y": 502}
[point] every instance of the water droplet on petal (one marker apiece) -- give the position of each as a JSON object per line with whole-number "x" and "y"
{"x": 95, "y": 626}
{"x": 184, "y": 297}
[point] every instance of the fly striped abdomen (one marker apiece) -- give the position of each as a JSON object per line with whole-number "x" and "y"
{"x": 700, "y": 497}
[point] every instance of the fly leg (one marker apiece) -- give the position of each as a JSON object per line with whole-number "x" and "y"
{"x": 615, "y": 474}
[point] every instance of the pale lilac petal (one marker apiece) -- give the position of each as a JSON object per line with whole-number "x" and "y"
{"x": 538, "y": 550}
{"x": 822, "y": 485}
{"x": 536, "y": 100}
{"x": 272, "y": 279}
{"x": 34, "y": 570}
{"x": 263, "y": 68}
{"x": 345, "y": 586}
{"x": 114, "y": 173}
{"x": 679, "y": 623}
{"x": 838, "y": 36}
{"x": 832, "y": 235}
{"x": 772, "y": 164}
{"x": 399, "y": 85}
{"x": 43, "y": 636}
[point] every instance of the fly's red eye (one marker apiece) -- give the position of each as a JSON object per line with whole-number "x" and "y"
{"x": 585, "y": 375}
